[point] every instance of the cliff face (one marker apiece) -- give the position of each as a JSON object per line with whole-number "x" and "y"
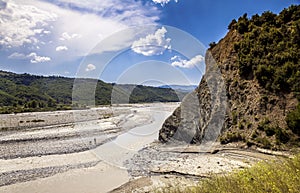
{"x": 204, "y": 112}
{"x": 231, "y": 108}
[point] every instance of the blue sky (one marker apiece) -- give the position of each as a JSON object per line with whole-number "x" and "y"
{"x": 125, "y": 41}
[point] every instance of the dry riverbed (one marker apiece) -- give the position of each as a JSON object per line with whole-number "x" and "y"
{"x": 106, "y": 149}
{"x": 182, "y": 165}
{"x": 75, "y": 151}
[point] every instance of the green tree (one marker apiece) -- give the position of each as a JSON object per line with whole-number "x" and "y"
{"x": 242, "y": 25}
{"x": 51, "y": 103}
{"x": 232, "y": 24}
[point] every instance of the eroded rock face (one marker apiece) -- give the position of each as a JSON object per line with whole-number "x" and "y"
{"x": 183, "y": 124}
{"x": 227, "y": 105}
{"x": 202, "y": 113}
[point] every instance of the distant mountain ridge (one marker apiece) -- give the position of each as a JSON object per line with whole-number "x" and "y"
{"x": 25, "y": 92}
{"x": 182, "y": 88}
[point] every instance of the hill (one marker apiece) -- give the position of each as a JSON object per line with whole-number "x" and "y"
{"x": 25, "y": 92}
{"x": 258, "y": 64}
{"x": 180, "y": 88}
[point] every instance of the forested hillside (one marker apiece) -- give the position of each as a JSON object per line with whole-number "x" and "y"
{"x": 25, "y": 92}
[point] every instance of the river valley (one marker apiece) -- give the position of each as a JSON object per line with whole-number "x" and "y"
{"x": 105, "y": 149}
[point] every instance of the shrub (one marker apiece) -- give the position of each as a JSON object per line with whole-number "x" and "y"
{"x": 264, "y": 142}
{"x": 293, "y": 120}
{"x": 231, "y": 137}
{"x": 270, "y": 131}
{"x": 254, "y": 135}
{"x": 212, "y": 44}
{"x": 234, "y": 117}
{"x": 232, "y": 24}
{"x": 281, "y": 135}
{"x": 242, "y": 24}
{"x": 263, "y": 124}
{"x": 241, "y": 126}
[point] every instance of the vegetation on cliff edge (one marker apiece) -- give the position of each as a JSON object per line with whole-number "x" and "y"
{"x": 268, "y": 51}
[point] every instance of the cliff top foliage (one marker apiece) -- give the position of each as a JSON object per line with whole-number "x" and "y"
{"x": 270, "y": 49}
{"x": 267, "y": 50}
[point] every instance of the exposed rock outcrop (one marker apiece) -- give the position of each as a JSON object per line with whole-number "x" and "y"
{"x": 202, "y": 113}
{"x": 227, "y": 106}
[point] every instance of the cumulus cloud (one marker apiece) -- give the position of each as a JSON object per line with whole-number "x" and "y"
{"x": 163, "y": 2}
{"x": 178, "y": 62}
{"x": 20, "y": 23}
{"x": 61, "y": 48}
{"x": 90, "y": 67}
{"x": 67, "y": 36}
{"x": 152, "y": 44}
{"x": 46, "y": 32}
{"x": 33, "y": 57}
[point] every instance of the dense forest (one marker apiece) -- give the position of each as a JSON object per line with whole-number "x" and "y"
{"x": 25, "y": 93}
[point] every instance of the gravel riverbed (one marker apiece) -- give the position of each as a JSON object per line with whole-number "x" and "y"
{"x": 32, "y": 152}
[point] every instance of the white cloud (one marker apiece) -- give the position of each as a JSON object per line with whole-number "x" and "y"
{"x": 104, "y": 17}
{"x": 46, "y": 32}
{"x": 152, "y": 44}
{"x": 61, "y": 48}
{"x": 20, "y": 23}
{"x": 38, "y": 31}
{"x": 34, "y": 58}
{"x": 163, "y": 2}
{"x": 40, "y": 26}
{"x": 67, "y": 36}
{"x": 177, "y": 61}
{"x": 175, "y": 58}
{"x": 129, "y": 12}
{"x": 90, "y": 67}
{"x": 16, "y": 55}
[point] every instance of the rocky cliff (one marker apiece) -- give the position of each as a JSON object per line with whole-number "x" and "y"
{"x": 234, "y": 105}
